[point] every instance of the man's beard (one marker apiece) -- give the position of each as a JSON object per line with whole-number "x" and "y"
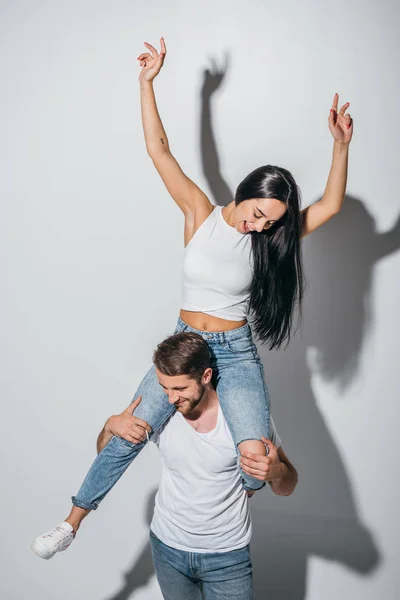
{"x": 186, "y": 405}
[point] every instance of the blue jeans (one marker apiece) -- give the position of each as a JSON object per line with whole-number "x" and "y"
{"x": 209, "y": 576}
{"x": 242, "y": 393}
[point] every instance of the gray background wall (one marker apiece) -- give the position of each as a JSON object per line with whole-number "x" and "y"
{"x": 91, "y": 249}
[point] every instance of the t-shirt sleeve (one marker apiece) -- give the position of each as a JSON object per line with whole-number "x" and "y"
{"x": 273, "y": 434}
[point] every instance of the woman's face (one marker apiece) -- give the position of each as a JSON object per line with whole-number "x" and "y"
{"x": 257, "y": 214}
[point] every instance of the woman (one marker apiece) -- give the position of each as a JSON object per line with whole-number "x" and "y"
{"x": 244, "y": 259}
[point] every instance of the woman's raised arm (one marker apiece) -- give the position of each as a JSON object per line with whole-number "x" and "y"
{"x": 341, "y": 128}
{"x": 183, "y": 190}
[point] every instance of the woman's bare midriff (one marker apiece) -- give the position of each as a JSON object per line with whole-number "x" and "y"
{"x": 199, "y": 320}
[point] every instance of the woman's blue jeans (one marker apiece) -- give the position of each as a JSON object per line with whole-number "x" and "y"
{"x": 242, "y": 393}
{"x": 196, "y": 576}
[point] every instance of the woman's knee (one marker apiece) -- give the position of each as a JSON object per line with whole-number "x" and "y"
{"x": 249, "y": 482}
{"x": 254, "y": 446}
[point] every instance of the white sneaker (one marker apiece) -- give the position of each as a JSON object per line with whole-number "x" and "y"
{"x": 55, "y": 540}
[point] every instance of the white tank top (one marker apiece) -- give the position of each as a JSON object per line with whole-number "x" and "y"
{"x": 217, "y": 270}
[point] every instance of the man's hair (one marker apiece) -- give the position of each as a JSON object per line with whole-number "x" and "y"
{"x": 184, "y": 353}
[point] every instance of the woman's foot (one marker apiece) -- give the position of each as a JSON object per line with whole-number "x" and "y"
{"x": 55, "y": 540}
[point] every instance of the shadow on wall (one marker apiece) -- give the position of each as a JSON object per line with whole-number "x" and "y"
{"x": 142, "y": 569}
{"x": 320, "y": 518}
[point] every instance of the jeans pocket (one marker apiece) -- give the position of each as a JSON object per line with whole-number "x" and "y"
{"x": 242, "y": 347}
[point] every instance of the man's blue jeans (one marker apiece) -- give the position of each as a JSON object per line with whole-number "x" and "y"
{"x": 242, "y": 393}
{"x": 196, "y": 576}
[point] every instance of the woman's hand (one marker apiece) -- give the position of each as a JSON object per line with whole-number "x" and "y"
{"x": 127, "y": 426}
{"x": 151, "y": 62}
{"x": 340, "y": 124}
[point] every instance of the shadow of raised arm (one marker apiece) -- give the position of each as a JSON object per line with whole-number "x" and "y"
{"x": 212, "y": 80}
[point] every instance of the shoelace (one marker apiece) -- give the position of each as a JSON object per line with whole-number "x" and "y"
{"x": 56, "y": 530}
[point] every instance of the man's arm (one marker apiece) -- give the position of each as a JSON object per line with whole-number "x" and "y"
{"x": 285, "y": 483}
{"x": 104, "y": 437}
{"x": 275, "y": 468}
{"x": 126, "y": 426}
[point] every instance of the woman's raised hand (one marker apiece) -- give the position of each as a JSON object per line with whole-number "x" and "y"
{"x": 340, "y": 123}
{"x": 152, "y": 61}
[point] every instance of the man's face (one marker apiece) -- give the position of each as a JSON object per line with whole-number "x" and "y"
{"x": 182, "y": 391}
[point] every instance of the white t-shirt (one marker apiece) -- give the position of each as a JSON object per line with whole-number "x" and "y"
{"x": 201, "y": 505}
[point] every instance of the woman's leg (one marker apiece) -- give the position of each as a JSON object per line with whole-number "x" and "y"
{"x": 243, "y": 396}
{"x": 108, "y": 467}
{"x": 118, "y": 454}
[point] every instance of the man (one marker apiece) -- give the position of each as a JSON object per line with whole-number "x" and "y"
{"x": 201, "y": 526}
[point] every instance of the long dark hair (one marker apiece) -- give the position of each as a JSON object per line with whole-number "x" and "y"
{"x": 278, "y": 282}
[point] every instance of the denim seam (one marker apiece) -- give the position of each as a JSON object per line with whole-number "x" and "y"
{"x": 84, "y": 505}
{"x": 249, "y": 489}
{"x": 250, "y": 440}
{"x": 129, "y": 444}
